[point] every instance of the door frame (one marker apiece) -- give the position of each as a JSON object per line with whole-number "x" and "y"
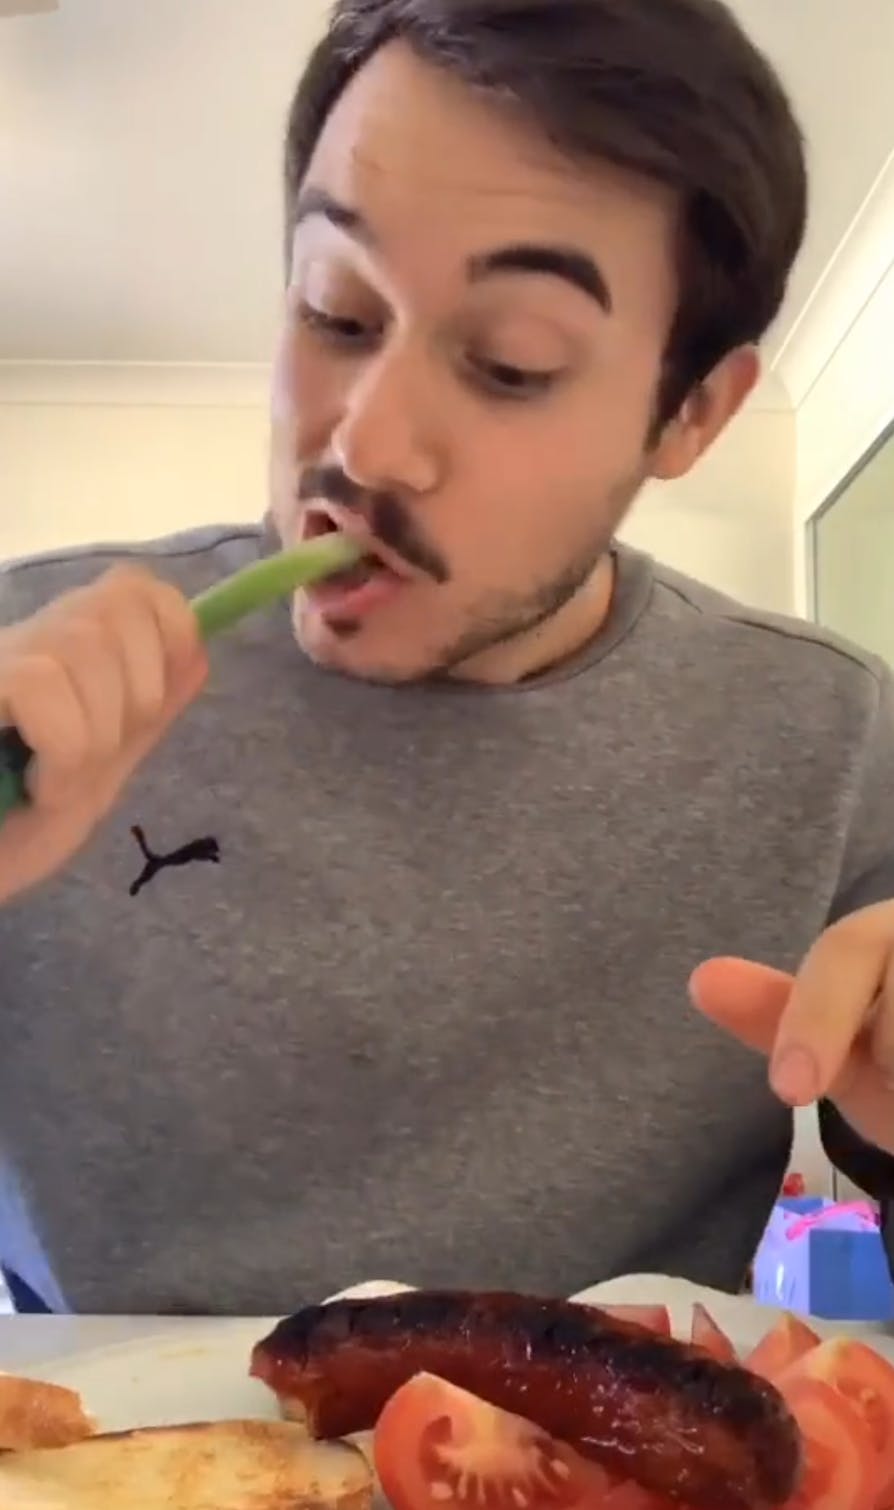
{"x": 811, "y": 552}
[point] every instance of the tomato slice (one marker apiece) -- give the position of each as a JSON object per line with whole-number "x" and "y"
{"x": 654, "y": 1318}
{"x": 708, "y": 1335}
{"x": 782, "y": 1346}
{"x": 866, "y": 1381}
{"x": 839, "y": 1460}
{"x": 438, "y": 1446}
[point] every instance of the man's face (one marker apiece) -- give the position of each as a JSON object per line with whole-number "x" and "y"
{"x": 467, "y": 372}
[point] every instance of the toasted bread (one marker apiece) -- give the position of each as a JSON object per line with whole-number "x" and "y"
{"x": 40, "y": 1415}
{"x": 226, "y": 1465}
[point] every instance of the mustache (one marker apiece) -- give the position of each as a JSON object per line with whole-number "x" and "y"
{"x": 384, "y": 512}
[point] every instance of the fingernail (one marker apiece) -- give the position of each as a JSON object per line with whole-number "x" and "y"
{"x": 794, "y": 1076}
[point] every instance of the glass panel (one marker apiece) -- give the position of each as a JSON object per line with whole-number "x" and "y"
{"x": 853, "y": 556}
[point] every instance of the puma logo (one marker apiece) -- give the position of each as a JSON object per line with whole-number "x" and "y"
{"x": 198, "y": 850}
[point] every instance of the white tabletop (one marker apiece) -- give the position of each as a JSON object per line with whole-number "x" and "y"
{"x": 27, "y": 1341}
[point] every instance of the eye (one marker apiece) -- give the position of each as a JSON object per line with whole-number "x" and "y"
{"x": 505, "y": 381}
{"x": 339, "y": 330}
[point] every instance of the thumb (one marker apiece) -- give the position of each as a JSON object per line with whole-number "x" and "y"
{"x": 745, "y": 999}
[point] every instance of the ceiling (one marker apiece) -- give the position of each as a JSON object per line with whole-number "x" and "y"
{"x": 140, "y": 154}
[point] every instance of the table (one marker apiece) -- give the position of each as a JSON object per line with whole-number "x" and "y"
{"x": 27, "y": 1341}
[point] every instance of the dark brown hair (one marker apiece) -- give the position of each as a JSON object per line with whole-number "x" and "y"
{"x": 672, "y": 89}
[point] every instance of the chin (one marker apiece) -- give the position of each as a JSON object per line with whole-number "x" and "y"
{"x": 356, "y": 650}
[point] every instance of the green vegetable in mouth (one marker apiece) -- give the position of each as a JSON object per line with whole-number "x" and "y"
{"x": 262, "y": 583}
{"x": 218, "y": 608}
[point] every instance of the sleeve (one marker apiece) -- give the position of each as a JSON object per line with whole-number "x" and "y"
{"x": 868, "y": 1167}
{"x": 31, "y": 582}
{"x": 867, "y": 876}
{"x": 21, "y": 591}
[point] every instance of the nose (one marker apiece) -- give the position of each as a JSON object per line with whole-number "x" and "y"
{"x": 385, "y": 437}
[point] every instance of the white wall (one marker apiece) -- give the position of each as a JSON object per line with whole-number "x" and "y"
{"x": 92, "y": 454}
{"x": 122, "y": 454}
{"x": 841, "y": 377}
{"x": 729, "y": 522}
{"x": 80, "y": 474}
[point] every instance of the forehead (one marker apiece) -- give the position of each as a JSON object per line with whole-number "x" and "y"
{"x": 422, "y": 155}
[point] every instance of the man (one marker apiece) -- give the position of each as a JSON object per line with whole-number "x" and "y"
{"x": 425, "y": 1017}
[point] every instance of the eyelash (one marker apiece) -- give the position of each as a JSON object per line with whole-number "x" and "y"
{"x": 346, "y": 333}
{"x": 512, "y": 384}
{"x": 499, "y": 380}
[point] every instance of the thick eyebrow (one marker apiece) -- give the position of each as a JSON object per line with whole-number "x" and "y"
{"x": 318, "y": 202}
{"x": 568, "y": 263}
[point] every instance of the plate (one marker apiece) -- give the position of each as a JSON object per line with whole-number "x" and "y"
{"x": 198, "y": 1370}
{"x": 743, "y": 1319}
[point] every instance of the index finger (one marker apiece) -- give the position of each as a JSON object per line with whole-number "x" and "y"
{"x": 831, "y": 999}
{"x": 745, "y": 998}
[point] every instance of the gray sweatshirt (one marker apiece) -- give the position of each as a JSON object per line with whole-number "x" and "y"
{"x": 427, "y": 1017}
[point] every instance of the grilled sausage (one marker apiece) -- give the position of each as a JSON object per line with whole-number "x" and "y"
{"x": 666, "y": 1414}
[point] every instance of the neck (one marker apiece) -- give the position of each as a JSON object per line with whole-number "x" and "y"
{"x": 548, "y": 644}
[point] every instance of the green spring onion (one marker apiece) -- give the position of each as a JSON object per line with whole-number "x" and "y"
{"x": 262, "y": 583}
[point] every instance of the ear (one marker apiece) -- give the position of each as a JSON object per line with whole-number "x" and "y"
{"x": 705, "y": 412}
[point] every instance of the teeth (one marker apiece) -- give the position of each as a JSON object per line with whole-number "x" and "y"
{"x": 318, "y": 522}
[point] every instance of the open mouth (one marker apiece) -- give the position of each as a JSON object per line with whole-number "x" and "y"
{"x": 316, "y": 523}
{"x": 359, "y": 588}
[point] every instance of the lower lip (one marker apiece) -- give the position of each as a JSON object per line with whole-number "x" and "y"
{"x": 337, "y": 602}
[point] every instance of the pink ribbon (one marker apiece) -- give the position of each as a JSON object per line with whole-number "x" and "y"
{"x": 847, "y": 1208}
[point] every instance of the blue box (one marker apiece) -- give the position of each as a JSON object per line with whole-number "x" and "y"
{"x": 849, "y": 1276}
{"x": 826, "y": 1259}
